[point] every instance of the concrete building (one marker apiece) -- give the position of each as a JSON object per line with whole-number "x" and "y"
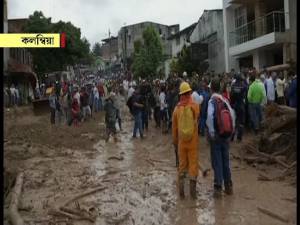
{"x": 259, "y": 33}
{"x": 131, "y": 33}
{"x": 209, "y": 31}
{"x": 5, "y": 30}
{"x": 109, "y": 50}
{"x": 181, "y": 38}
{"x": 18, "y": 65}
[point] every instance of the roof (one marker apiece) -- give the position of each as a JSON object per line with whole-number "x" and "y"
{"x": 188, "y": 30}
{"x": 109, "y": 39}
{"x": 148, "y": 22}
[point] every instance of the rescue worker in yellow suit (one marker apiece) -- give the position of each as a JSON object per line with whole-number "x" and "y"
{"x": 187, "y": 150}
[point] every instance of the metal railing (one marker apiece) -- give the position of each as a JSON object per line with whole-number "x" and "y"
{"x": 271, "y": 22}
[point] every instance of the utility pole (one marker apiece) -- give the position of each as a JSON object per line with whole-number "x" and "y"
{"x": 109, "y": 51}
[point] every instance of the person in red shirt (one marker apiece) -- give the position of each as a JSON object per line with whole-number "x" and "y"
{"x": 75, "y": 112}
{"x": 226, "y": 92}
{"x": 101, "y": 95}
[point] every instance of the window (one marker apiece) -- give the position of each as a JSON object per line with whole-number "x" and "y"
{"x": 212, "y": 46}
{"x": 239, "y": 16}
{"x": 129, "y": 38}
{"x": 159, "y": 30}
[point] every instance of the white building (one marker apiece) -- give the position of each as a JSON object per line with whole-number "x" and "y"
{"x": 210, "y": 32}
{"x": 259, "y": 33}
{"x": 180, "y": 39}
{"x": 5, "y": 29}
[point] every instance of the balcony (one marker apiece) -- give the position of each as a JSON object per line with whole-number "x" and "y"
{"x": 270, "y": 23}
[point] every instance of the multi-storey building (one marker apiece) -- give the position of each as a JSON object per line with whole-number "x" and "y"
{"x": 180, "y": 39}
{"x": 18, "y": 65}
{"x": 109, "y": 50}
{"x": 131, "y": 33}
{"x": 209, "y": 32}
{"x": 259, "y": 33}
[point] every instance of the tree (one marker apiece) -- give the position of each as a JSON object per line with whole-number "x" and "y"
{"x": 148, "y": 54}
{"x": 174, "y": 66}
{"x": 97, "y": 49}
{"x": 54, "y": 59}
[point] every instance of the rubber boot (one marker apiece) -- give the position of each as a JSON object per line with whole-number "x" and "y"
{"x": 217, "y": 191}
{"x": 181, "y": 187}
{"x": 228, "y": 189}
{"x": 193, "y": 189}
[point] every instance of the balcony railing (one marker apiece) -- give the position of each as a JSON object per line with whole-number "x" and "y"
{"x": 271, "y": 22}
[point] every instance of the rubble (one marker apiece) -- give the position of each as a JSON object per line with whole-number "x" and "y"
{"x": 276, "y": 142}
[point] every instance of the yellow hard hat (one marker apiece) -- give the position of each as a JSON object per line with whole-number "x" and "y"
{"x": 184, "y": 87}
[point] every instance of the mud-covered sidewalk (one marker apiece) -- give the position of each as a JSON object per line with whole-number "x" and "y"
{"x": 73, "y": 177}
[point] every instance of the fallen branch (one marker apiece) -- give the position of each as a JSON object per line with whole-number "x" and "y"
{"x": 77, "y": 213}
{"x": 57, "y": 212}
{"x": 270, "y": 157}
{"x": 14, "y": 215}
{"x": 264, "y": 178}
{"x": 293, "y": 200}
{"x": 151, "y": 163}
{"x": 84, "y": 195}
{"x": 160, "y": 161}
{"x": 116, "y": 157}
{"x": 273, "y": 215}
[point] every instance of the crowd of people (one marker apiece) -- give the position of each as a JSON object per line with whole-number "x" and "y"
{"x": 216, "y": 106}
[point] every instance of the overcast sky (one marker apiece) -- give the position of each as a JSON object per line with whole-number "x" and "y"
{"x": 96, "y": 17}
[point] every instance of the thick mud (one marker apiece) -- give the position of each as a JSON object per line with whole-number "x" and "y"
{"x": 134, "y": 180}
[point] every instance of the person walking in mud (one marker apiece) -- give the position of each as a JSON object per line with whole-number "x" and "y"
{"x": 221, "y": 124}
{"x": 137, "y": 108}
{"x": 110, "y": 117}
{"x": 185, "y": 138}
{"x": 52, "y": 103}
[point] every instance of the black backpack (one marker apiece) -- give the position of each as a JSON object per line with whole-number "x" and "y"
{"x": 129, "y": 103}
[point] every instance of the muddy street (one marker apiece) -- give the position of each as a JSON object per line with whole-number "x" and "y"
{"x": 72, "y": 176}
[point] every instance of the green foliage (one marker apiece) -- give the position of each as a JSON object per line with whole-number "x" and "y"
{"x": 186, "y": 62}
{"x": 54, "y": 59}
{"x": 97, "y": 49}
{"x": 147, "y": 55}
{"x": 174, "y": 66}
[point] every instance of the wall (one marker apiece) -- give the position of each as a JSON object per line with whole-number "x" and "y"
{"x": 211, "y": 24}
{"x": 5, "y": 29}
{"x": 176, "y": 48}
{"x": 135, "y": 32}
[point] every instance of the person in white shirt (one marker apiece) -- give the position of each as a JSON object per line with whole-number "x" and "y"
{"x": 270, "y": 88}
{"x": 262, "y": 82}
{"x": 13, "y": 95}
{"x": 77, "y": 96}
{"x": 280, "y": 87}
{"x": 96, "y": 99}
{"x": 130, "y": 91}
{"x": 198, "y": 99}
{"x": 163, "y": 109}
{"x": 125, "y": 87}
{"x": 17, "y": 97}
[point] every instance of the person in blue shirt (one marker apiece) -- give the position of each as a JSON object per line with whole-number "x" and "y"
{"x": 219, "y": 145}
{"x": 292, "y": 93}
{"x": 203, "y": 91}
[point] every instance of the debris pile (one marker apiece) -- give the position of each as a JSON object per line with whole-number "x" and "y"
{"x": 276, "y": 142}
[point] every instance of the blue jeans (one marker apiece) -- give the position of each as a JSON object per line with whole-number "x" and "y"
{"x": 96, "y": 104}
{"x": 255, "y": 114}
{"x": 145, "y": 119}
{"x": 202, "y": 124}
{"x": 138, "y": 124}
{"x": 100, "y": 105}
{"x": 220, "y": 162}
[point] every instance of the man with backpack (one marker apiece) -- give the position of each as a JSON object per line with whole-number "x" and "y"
{"x": 185, "y": 138}
{"x": 220, "y": 123}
